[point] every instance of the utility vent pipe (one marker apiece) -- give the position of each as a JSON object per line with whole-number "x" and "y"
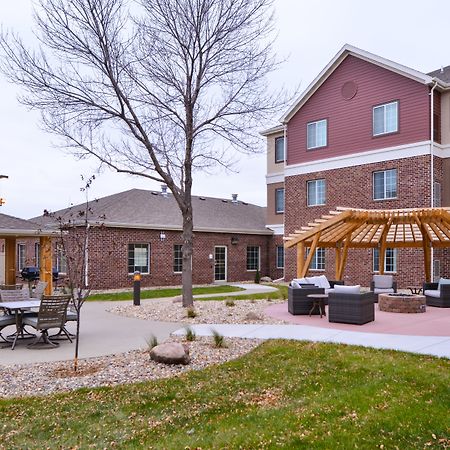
{"x": 234, "y": 198}
{"x": 164, "y": 190}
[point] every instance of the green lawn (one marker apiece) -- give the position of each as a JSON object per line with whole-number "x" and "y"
{"x": 160, "y": 293}
{"x": 281, "y": 293}
{"x": 284, "y": 394}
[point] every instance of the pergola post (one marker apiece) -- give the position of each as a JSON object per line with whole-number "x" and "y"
{"x": 10, "y": 260}
{"x": 300, "y": 259}
{"x": 343, "y": 260}
{"x": 310, "y": 255}
{"x": 337, "y": 260}
{"x": 45, "y": 264}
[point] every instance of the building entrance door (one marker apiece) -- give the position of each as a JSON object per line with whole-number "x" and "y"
{"x": 220, "y": 263}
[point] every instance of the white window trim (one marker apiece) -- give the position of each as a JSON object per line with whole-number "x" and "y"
{"x": 326, "y": 133}
{"x": 373, "y": 185}
{"x": 314, "y": 259}
{"x": 307, "y": 192}
{"x": 276, "y": 259}
{"x": 259, "y": 259}
{"x": 385, "y": 255}
{"x": 384, "y": 114}
{"x": 279, "y": 161}
{"x": 24, "y": 263}
{"x": 181, "y": 271}
{"x": 276, "y": 203}
{"x": 148, "y": 257}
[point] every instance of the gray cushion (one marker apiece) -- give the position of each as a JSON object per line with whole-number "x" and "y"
{"x": 341, "y": 289}
{"x": 383, "y": 281}
{"x": 433, "y": 293}
{"x": 32, "y": 321}
{"x": 7, "y": 320}
{"x": 383, "y": 290}
{"x": 443, "y": 281}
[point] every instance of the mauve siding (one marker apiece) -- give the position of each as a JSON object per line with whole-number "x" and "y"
{"x": 350, "y": 121}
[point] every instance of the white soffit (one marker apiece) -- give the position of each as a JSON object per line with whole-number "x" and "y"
{"x": 345, "y": 51}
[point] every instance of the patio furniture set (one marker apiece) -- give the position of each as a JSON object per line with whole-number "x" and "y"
{"x": 22, "y": 308}
{"x": 347, "y": 304}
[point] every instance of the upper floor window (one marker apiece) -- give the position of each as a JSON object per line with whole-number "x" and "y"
{"x": 316, "y": 192}
{"x": 280, "y": 257}
{"x": 385, "y": 184}
{"x": 390, "y": 260}
{"x": 385, "y": 118}
{"x": 279, "y": 149}
{"x": 279, "y": 200}
{"x": 139, "y": 258}
{"x": 177, "y": 258}
{"x": 317, "y": 134}
{"x": 252, "y": 258}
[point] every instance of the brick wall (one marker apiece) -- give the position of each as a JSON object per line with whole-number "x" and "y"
{"x": 352, "y": 187}
{"x": 108, "y": 257}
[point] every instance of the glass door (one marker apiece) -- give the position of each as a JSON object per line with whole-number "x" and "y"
{"x": 220, "y": 263}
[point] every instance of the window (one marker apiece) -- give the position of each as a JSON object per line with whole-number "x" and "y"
{"x": 279, "y": 149}
{"x": 280, "y": 257}
{"x": 437, "y": 202}
{"x": 390, "y": 260}
{"x": 318, "y": 260}
{"x": 177, "y": 258}
{"x": 385, "y": 118}
{"x": 279, "y": 200}
{"x": 436, "y": 270}
{"x": 385, "y": 184}
{"x": 139, "y": 258}
{"x": 37, "y": 254}
{"x": 316, "y": 134}
{"x": 252, "y": 258}
{"x": 61, "y": 260}
{"x": 316, "y": 192}
{"x": 20, "y": 256}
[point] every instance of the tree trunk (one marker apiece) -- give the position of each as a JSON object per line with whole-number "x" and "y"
{"x": 77, "y": 342}
{"x": 188, "y": 237}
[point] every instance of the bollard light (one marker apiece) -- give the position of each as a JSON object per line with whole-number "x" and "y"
{"x": 137, "y": 288}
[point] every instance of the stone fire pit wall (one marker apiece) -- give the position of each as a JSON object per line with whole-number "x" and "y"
{"x": 402, "y": 303}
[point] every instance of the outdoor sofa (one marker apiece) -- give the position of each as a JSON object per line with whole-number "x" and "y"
{"x": 300, "y": 288}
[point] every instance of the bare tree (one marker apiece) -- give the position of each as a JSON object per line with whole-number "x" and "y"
{"x": 154, "y": 88}
{"x": 75, "y": 225}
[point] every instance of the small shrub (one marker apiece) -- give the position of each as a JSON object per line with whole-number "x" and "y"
{"x": 230, "y": 302}
{"x": 190, "y": 334}
{"x": 219, "y": 339}
{"x": 191, "y": 313}
{"x": 152, "y": 341}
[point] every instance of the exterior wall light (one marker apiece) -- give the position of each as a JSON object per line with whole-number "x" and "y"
{"x": 162, "y": 236}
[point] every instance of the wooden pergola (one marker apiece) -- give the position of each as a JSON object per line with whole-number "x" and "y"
{"x": 12, "y": 229}
{"x": 347, "y": 228}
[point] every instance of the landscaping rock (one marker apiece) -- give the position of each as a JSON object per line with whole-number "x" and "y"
{"x": 266, "y": 280}
{"x": 253, "y": 316}
{"x": 170, "y": 353}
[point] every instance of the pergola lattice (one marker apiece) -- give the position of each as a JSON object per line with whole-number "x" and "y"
{"x": 347, "y": 228}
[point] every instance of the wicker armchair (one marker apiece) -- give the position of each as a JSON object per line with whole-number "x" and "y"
{"x": 437, "y": 297}
{"x": 383, "y": 284}
{"x": 4, "y": 322}
{"x": 52, "y": 314}
{"x": 351, "y": 308}
{"x": 298, "y": 301}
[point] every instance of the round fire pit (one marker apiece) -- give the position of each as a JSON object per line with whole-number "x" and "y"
{"x": 402, "y": 303}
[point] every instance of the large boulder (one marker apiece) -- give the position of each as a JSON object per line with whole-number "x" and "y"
{"x": 170, "y": 353}
{"x": 266, "y": 280}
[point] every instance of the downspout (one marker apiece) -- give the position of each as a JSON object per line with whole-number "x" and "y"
{"x": 432, "y": 164}
{"x": 284, "y": 178}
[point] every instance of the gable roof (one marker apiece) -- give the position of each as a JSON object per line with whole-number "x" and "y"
{"x": 138, "y": 208}
{"x": 348, "y": 50}
{"x": 13, "y": 226}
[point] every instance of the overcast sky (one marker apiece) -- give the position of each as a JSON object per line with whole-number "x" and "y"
{"x": 310, "y": 34}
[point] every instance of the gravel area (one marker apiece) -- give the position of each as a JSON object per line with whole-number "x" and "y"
{"x": 42, "y": 379}
{"x": 211, "y": 311}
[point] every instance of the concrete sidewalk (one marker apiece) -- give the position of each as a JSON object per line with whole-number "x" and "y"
{"x": 427, "y": 345}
